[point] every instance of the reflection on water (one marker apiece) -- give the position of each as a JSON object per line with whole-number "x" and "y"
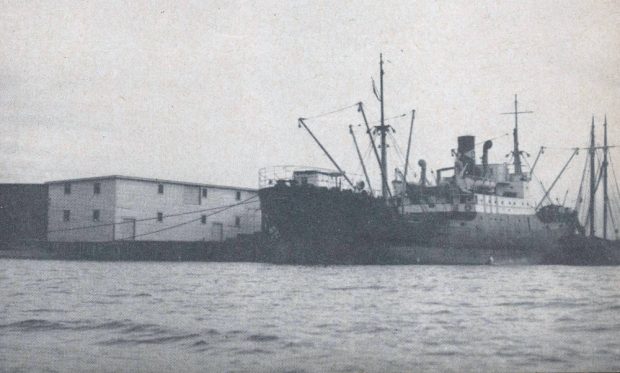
{"x": 77, "y": 316}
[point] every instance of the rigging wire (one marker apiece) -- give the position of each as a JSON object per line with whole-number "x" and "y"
{"x": 397, "y": 148}
{"x": 379, "y": 121}
{"x": 493, "y": 138}
{"x": 584, "y": 148}
{"x": 330, "y": 112}
{"x": 244, "y": 202}
{"x": 547, "y": 193}
{"x": 616, "y": 202}
{"x": 160, "y": 230}
{"x": 181, "y": 224}
{"x": 581, "y": 184}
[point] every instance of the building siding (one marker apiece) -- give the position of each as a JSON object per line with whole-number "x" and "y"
{"x": 141, "y": 201}
{"x": 130, "y": 207}
{"x": 81, "y": 202}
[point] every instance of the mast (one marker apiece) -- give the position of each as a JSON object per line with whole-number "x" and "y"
{"x": 383, "y": 131}
{"x": 407, "y": 160}
{"x": 515, "y": 134}
{"x": 409, "y": 144}
{"x": 605, "y": 196}
{"x": 592, "y": 180}
{"x": 357, "y": 149}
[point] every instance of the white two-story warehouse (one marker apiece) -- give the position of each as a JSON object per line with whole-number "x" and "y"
{"x": 110, "y": 208}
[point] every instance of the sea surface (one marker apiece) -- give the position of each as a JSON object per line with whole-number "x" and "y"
{"x": 62, "y": 316}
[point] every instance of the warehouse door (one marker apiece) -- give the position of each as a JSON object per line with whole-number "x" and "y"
{"x": 217, "y": 232}
{"x": 127, "y": 229}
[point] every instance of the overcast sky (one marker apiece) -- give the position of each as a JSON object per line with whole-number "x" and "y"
{"x": 210, "y": 91}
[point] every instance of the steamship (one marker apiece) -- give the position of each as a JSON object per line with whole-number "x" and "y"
{"x": 471, "y": 213}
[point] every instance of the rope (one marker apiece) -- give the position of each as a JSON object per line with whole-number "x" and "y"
{"x": 396, "y": 147}
{"x": 494, "y": 138}
{"x": 379, "y": 121}
{"x": 547, "y": 193}
{"x": 330, "y": 112}
{"x": 244, "y": 202}
{"x": 617, "y": 203}
{"x": 579, "y": 194}
{"x": 159, "y": 230}
{"x": 181, "y": 224}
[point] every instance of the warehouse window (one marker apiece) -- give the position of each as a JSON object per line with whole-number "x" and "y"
{"x": 66, "y": 215}
{"x": 238, "y": 195}
{"x": 237, "y": 221}
{"x": 97, "y": 188}
{"x": 67, "y": 188}
{"x": 160, "y": 189}
{"x": 203, "y": 219}
{"x": 96, "y": 214}
{"x": 160, "y": 217}
{"x": 204, "y": 192}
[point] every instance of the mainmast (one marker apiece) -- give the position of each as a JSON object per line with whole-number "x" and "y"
{"x": 605, "y": 196}
{"x": 383, "y": 131}
{"x": 515, "y": 134}
{"x": 592, "y": 180}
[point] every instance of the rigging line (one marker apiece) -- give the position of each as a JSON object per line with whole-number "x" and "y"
{"x": 244, "y": 202}
{"x": 616, "y": 202}
{"x": 613, "y": 221}
{"x": 379, "y": 121}
{"x": 396, "y": 147}
{"x": 539, "y": 181}
{"x": 614, "y": 173}
{"x": 160, "y": 230}
{"x": 557, "y": 178}
{"x": 330, "y": 112}
{"x": 597, "y": 175}
{"x": 493, "y": 138}
{"x": 579, "y": 195}
{"x": 583, "y": 148}
{"x": 179, "y": 225}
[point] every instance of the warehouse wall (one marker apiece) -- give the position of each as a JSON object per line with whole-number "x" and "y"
{"x": 81, "y": 202}
{"x": 142, "y": 201}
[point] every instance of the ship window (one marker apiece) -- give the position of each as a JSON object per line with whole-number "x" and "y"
{"x": 160, "y": 217}
{"x": 203, "y": 219}
{"x": 96, "y": 215}
{"x": 238, "y": 195}
{"x": 237, "y": 221}
{"x": 97, "y": 188}
{"x": 204, "y": 192}
{"x": 160, "y": 189}
{"x": 67, "y": 188}
{"x": 66, "y": 215}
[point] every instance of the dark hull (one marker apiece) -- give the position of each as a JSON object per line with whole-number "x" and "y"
{"x": 320, "y": 226}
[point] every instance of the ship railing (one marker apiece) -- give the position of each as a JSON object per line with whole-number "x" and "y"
{"x": 271, "y": 176}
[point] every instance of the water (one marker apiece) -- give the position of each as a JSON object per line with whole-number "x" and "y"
{"x": 87, "y": 316}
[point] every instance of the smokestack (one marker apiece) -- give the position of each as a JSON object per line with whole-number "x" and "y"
{"x": 467, "y": 152}
{"x": 485, "y": 156}
{"x": 422, "y": 164}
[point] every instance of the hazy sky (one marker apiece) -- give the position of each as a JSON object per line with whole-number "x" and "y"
{"x": 210, "y": 91}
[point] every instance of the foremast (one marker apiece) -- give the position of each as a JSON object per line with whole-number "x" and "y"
{"x": 383, "y": 129}
{"x": 515, "y": 134}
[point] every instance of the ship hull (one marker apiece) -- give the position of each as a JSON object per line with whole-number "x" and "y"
{"x": 313, "y": 225}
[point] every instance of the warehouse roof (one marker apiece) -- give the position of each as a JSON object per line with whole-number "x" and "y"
{"x": 121, "y": 177}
